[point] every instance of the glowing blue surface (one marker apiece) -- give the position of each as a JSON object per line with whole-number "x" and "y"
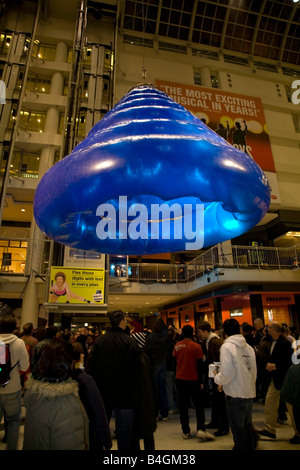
{"x": 151, "y": 150}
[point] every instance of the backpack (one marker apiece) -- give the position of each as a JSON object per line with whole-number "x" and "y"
{"x": 5, "y": 364}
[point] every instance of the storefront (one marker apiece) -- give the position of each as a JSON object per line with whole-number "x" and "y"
{"x": 277, "y": 307}
{"x": 274, "y": 307}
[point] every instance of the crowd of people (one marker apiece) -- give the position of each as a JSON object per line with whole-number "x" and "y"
{"x": 73, "y": 383}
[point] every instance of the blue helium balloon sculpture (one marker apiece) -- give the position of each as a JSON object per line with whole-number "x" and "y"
{"x": 150, "y": 178}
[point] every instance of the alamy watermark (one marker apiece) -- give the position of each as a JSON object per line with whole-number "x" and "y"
{"x": 162, "y": 221}
{"x": 296, "y": 351}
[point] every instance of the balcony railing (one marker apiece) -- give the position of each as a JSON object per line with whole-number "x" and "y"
{"x": 235, "y": 257}
{"x": 238, "y": 257}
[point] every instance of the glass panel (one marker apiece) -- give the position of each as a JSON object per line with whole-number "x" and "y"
{"x": 14, "y": 243}
{"x": 36, "y": 122}
{"x": 30, "y": 163}
{"x": 81, "y": 124}
{"x": 15, "y": 163}
{"x": 47, "y": 52}
{"x": 70, "y": 56}
{"x": 12, "y": 259}
{"x": 61, "y": 123}
{"x": 43, "y": 85}
{"x": 23, "y": 119}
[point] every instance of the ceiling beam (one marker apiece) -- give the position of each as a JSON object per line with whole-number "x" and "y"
{"x": 192, "y": 22}
{"x": 224, "y": 28}
{"x": 286, "y": 31}
{"x": 258, "y": 20}
{"x": 158, "y": 18}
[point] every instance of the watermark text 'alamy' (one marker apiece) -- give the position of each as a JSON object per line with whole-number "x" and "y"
{"x": 176, "y": 221}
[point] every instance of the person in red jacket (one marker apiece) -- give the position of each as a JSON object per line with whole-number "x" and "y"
{"x": 189, "y": 383}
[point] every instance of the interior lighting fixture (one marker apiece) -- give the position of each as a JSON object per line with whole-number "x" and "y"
{"x": 292, "y": 234}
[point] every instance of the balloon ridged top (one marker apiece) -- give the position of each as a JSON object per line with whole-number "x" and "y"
{"x": 149, "y": 150}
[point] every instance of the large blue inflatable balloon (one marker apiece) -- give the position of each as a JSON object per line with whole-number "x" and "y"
{"x": 150, "y": 178}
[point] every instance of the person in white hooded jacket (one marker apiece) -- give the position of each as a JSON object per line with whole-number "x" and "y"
{"x": 237, "y": 376}
{"x": 10, "y": 394}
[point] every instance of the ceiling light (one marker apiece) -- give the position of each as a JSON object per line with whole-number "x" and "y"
{"x": 293, "y": 234}
{"x": 23, "y": 210}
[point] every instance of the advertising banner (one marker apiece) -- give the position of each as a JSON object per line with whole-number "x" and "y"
{"x": 76, "y": 285}
{"x": 237, "y": 118}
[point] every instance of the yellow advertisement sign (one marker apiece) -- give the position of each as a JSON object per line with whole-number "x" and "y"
{"x": 76, "y": 285}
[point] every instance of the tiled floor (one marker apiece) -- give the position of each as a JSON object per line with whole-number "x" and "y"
{"x": 168, "y": 435}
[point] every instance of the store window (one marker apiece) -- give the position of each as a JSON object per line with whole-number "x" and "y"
{"x": 13, "y": 256}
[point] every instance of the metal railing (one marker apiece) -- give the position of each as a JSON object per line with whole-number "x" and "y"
{"x": 235, "y": 257}
{"x": 238, "y": 257}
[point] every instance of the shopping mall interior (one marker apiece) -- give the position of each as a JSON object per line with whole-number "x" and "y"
{"x": 64, "y": 66}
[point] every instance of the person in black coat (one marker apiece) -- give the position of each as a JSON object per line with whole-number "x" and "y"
{"x": 156, "y": 350}
{"x": 290, "y": 393}
{"x": 99, "y": 432}
{"x": 145, "y": 411}
{"x": 280, "y": 360}
{"x": 115, "y": 364}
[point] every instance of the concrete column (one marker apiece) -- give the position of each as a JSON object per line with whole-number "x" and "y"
{"x": 257, "y": 309}
{"x": 52, "y": 121}
{"x": 205, "y": 77}
{"x": 218, "y": 312}
{"x": 57, "y": 84}
{"x": 30, "y": 304}
{"x": 46, "y": 159}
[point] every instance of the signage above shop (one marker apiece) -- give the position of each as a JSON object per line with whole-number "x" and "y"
{"x": 278, "y": 299}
